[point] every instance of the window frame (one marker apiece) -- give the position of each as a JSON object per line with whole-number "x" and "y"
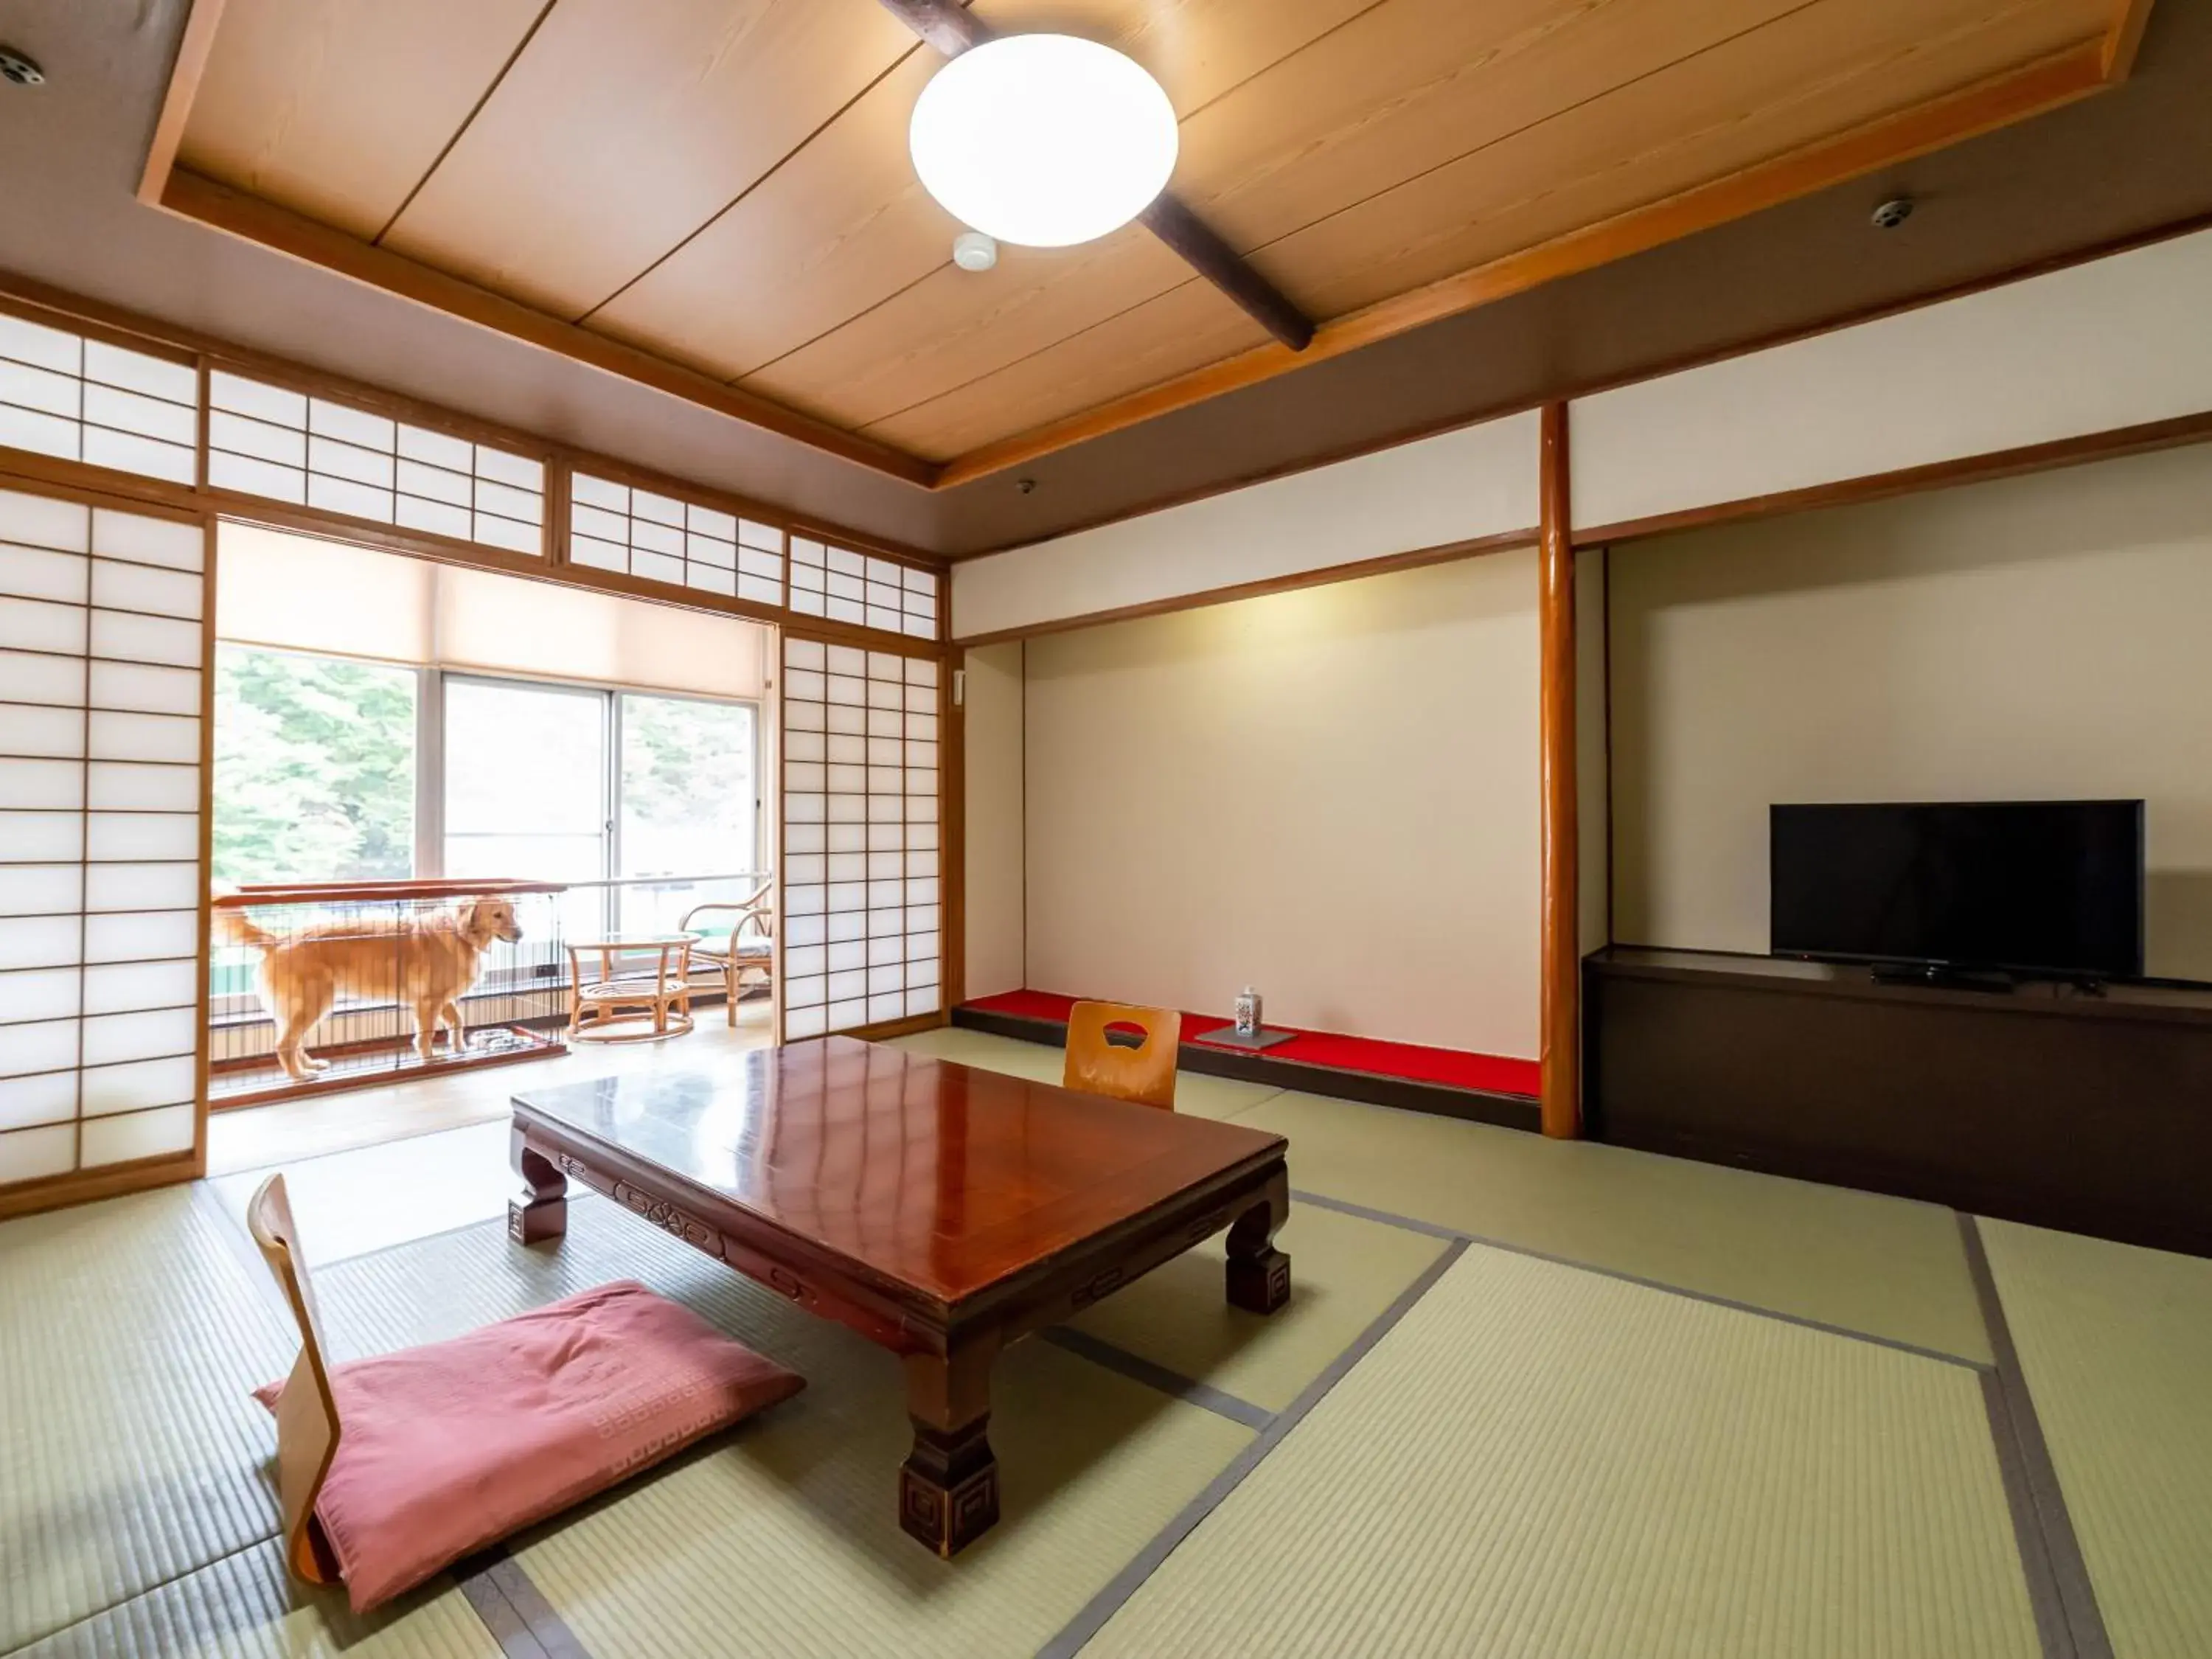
{"x": 611, "y": 696}
{"x": 429, "y": 801}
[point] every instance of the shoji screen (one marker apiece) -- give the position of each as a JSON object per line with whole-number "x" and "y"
{"x": 612, "y": 527}
{"x": 271, "y": 442}
{"x": 103, "y": 651}
{"x": 862, "y": 589}
{"x": 860, "y": 854}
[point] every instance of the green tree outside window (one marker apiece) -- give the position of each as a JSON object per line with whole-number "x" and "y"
{"x": 314, "y": 771}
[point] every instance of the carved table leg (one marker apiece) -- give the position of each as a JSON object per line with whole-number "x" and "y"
{"x": 949, "y": 1483}
{"x": 542, "y": 1211}
{"x": 1259, "y": 1273}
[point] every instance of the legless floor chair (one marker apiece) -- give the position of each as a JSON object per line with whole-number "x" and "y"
{"x": 1144, "y": 1072}
{"x": 390, "y": 1469}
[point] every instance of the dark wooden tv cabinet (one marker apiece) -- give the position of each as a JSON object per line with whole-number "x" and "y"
{"x": 2045, "y": 1104}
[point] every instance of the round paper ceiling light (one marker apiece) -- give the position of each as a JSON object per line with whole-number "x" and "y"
{"x": 1044, "y": 140}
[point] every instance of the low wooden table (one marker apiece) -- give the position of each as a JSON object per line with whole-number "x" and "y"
{"x": 938, "y": 1210}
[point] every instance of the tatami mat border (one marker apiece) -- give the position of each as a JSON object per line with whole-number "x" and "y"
{"x": 2080, "y": 1628}
{"x": 514, "y": 1610}
{"x": 1138, "y": 1369}
{"x": 1125, "y": 1584}
{"x": 1413, "y": 1223}
{"x": 518, "y": 1615}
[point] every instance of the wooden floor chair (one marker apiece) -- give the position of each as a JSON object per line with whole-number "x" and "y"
{"x": 442, "y": 1470}
{"x": 307, "y": 1428}
{"x": 1144, "y": 1072}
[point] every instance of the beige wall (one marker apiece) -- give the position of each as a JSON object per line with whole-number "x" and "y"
{"x": 2048, "y": 636}
{"x": 1478, "y": 481}
{"x": 993, "y": 713}
{"x": 1329, "y": 793}
{"x": 2120, "y": 341}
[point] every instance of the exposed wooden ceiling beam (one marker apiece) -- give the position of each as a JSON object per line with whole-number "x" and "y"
{"x": 2045, "y": 84}
{"x": 184, "y": 75}
{"x": 951, "y": 28}
{"x": 946, "y": 24}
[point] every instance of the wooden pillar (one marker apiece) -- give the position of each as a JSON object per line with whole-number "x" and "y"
{"x": 1559, "y": 1050}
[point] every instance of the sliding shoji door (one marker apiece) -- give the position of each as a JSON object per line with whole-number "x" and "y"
{"x": 104, "y": 655}
{"x": 861, "y": 852}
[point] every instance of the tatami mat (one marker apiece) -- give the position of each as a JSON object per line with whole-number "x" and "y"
{"x": 246, "y": 1606}
{"x": 786, "y": 1533}
{"x": 1884, "y": 1266}
{"x": 1539, "y": 1460}
{"x": 1345, "y": 1272}
{"x": 2115, "y": 1342}
{"x": 131, "y": 1338}
{"x": 791, "y": 1536}
{"x": 1196, "y": 1093}
{"x": 425, "y": 1184}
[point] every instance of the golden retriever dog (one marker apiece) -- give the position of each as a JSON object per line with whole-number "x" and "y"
{"x": 428, "y": 961}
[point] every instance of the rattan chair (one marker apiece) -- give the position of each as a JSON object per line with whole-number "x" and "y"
{"x": 1144, "y": 1072}
{"x": 736, "y": 954}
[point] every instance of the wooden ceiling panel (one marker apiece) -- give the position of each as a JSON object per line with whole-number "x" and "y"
{"x": 1824, "y": 69}
{"x": 1186, "y": 328}
{"x": 625, "y": 127}
{"x": 955, "y": 325}
{"x": 841, "y": 226}
{"x": 724, "y": 183}
{"x": 844, "y": 225}
{"x": 337, "y": 108}
{"x": 1680, "y": 93}
{"x": 1342, "y": 109}
{"x": 1413, "y": 85}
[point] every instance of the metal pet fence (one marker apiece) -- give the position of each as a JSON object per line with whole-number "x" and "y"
{"x": 346, "y": 985}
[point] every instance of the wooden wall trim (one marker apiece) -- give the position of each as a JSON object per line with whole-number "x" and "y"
{"x": 42, "y": 303}
{"x": 1559, "y": 1051}
{"x": 2125, "y": 37}
{"x": 2173, "y": 434}
{"x": 191, "y": 197}
{"x": 2045, "y": 85}
{"x": 111, "y": 1180}
{"x": 1587, "y": 388}
{"x": 1474, "y": 547}
{"x": 204, "y": 1059}
{"x": 184, "y": 77}
{"x": 952, "y": 837}
{"x": 63, "y": 480}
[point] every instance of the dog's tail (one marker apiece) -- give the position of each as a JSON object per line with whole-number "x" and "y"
{"x": 234, "y": 926}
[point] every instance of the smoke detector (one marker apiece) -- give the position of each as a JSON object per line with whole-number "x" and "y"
{"x": 1892, "y": 213}
{"x": 20, "y": 70}
{"x": 973, "y": 251}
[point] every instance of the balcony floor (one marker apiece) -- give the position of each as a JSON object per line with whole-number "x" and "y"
{"x": 256, "y": 1137}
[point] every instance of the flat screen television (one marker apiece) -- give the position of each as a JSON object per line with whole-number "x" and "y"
{"x": 2051, "y": 888}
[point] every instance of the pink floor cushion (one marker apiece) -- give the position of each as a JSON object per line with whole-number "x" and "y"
{"x": 445, "y": 1448}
